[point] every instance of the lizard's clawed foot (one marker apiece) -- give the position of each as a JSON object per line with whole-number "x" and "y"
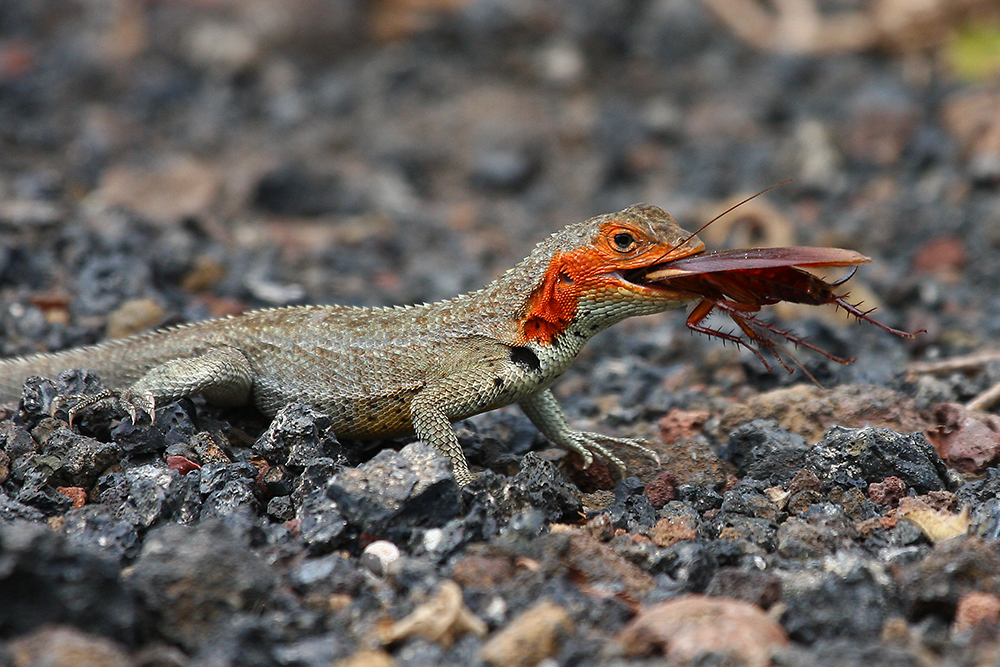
{"x": 587, "y": 444}
{"x": 133, "y": 403}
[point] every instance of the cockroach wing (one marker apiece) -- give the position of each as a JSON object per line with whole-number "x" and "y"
{"x": 756, "y": 258}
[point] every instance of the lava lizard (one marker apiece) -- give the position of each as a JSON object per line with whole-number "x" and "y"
{"x": 383, "y": 372}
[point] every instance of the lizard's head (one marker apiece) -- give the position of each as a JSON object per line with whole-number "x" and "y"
{"x": 593, "y": 274}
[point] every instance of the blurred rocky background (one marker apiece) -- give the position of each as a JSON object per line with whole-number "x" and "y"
{"x": 164, "y": 161}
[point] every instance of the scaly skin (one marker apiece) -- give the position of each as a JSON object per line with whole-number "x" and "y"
{"x": 389, "y": 371}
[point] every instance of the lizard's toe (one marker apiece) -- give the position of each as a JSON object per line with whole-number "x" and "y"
{"x": 587, "y": 444}
{"x": 85, "y": 402}
{"x": 137, "y": 404}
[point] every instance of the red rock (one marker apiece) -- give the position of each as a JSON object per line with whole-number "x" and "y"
{"x": 967, "y": 440}
{"x": 682, "y": 424}
{"x": 75, "y": 493}
{"x": 668, "y": 532}
{"x": 182, "y": 464}
{"x": 662, "y": 489}
{"x": 944, "y": 256}
{"x": 887, "y": 492}
{"x": 976, "y": 609}
{"x": 693, "y": 626}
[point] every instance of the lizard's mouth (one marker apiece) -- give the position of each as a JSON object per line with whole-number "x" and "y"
{"x": 637, "y": 276}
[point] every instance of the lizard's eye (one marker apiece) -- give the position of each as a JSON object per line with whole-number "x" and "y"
{"x": 624, "y": 241}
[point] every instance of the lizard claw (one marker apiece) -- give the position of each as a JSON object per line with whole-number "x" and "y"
{"x": 134, "y": 404}
{"x": 587, "y": 444}
{"x": 85, "y": 402}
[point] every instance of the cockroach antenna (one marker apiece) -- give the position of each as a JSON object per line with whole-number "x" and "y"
{"x": 734, "y": 206}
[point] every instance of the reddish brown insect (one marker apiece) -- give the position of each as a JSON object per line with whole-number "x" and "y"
{"x": 741, "y": 282}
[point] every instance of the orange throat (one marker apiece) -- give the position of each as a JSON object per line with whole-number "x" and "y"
{"x": 552, "y": 306}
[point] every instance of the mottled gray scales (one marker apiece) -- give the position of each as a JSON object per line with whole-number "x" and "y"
{"x": 388, "y": 371}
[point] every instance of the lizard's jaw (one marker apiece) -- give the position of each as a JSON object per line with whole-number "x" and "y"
{"x": 634, "y": 278}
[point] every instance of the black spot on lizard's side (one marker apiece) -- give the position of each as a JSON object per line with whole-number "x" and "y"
{"x": 525, "y": 358}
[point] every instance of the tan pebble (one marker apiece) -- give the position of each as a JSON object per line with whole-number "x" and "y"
{"x": 366, "y": 658}
{"x": 685, "y": 628}
{"x": 57, "y": 646}
{"x": 530, "y": 638}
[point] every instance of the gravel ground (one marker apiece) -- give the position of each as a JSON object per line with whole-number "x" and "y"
{"x": 165, "y": 162}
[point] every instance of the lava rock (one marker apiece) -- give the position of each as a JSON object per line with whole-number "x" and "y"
{"x": 872, "y": 454}
{"x": 819, "y": 531}
{"x": 82, "y": 459}
{"x": 956, "y": 567}
{"x": 196, "y": 579}
{"x": 852, "y": 598}
{"x": 493, "y": 500}
{"x": 46, "y": 578}
{"x": 632, "y": 509}
{"x": 396, "y": 492}
{"x": 12, "y": 511}
{"x": 173, "y": 424}
{"x": 295, "y": 189}
{"x": 145, "y": 494}
{"x": 96, "y": 528}
{"x": 228, "y": 489}
{"x": 748, "y": 498}
{"x": 702, "y": 497}
{"x": 763, "y": 450}
{"x": 321, "y": 524}
{"x": 298, "y": 434}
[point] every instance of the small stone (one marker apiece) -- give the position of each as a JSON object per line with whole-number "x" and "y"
{"x": 976, "y": 609}
{"x": 397, "y": 491}
{"x": 761, "y": 449}
{"x": 887, "y": 492}
{"x": 281, "y": 509}
{"x": 968, "y": 440}
{"x": 75, "y": 493}
{"x": 379, "y": 556}
{"x": 872, "y": 454}
{"x": 682, "y": 524}
{"x": 662, "y": 489}
{"x": 695, "y": 627}
{"x": 134, "y": 316}
{"x": 937, "y": 525}
{"x": 61, "y": 646}
{"x": 534, "y": 635}
{"x": 442, "y": 619}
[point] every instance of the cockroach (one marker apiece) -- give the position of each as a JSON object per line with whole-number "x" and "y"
{"x": 741, "y": 282}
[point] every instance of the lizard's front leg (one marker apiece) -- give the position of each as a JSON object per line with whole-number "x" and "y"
{"x": 223, "y": 375}
{"x": 455, "y": 396}
{"x": 433, "y": 427}
{"x": 545, "y": 413}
